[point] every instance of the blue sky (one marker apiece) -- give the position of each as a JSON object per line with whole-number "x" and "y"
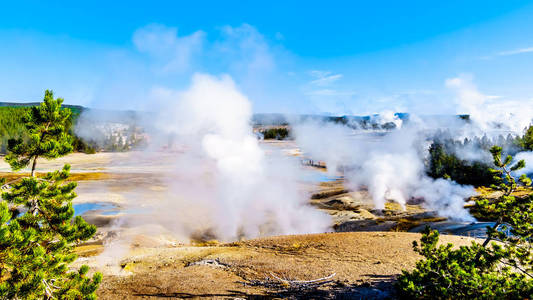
{"x": 340, "y": 57}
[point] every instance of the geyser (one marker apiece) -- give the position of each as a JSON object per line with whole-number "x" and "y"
{"x": 390, "y": 165}
{"x": 220, "y": 184}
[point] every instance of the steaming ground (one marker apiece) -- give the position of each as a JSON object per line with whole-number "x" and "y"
{"x": 141, "y": 258}
{"x": 216, "y": 181}
{"x": 389, "y": 164}
{"x": 133, "y": 188}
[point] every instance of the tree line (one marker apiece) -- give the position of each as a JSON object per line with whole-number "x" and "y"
{"x": 12, "y": 126}
{"x": 445, "y": 156}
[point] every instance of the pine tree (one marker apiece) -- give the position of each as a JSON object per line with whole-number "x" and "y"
{"x": 37, "y": 229}
{"x": 526, "y": 141}
{"x": 499, "y": 270}
{"x": 47, "y": 126}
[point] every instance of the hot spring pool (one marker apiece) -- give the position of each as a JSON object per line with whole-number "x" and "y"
{"x": 105, "y": 208}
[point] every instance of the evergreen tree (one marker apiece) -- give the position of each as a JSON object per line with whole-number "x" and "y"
{"x": 501, "y": 270}
{"x": 526, "y": 142}
{"x": 11, "y": 125}
{"x": 443, "y": 163}
{"x": 47, "y": 126}
{"x": 37, "y": 229}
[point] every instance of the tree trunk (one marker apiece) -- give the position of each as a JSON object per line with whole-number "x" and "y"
{"x": 487, "y": 240}
{"x": 33, "y": 167}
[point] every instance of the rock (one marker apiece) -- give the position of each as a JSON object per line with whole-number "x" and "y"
{"x": 364, "y": 225}
{"x": 365, "y": 214}
{"x": 208, "y": 262}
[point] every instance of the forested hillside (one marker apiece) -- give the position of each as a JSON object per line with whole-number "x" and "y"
{"x": 107, "y": 134}
{"x": 11, "y": 124}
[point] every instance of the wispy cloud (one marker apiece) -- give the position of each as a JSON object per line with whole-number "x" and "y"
{"x": 330, "y": 92}
{"x": 509, "y": 53}
{"x": 245, "y": 49}
{"x": 173, "y": 52}
{"x": 324, "y": 78}
{"x": 325, "y": 94}
{"x": 516, "y": 51}
{"x": 239, "y": 49}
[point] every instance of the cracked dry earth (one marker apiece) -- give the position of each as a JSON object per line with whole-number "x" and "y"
{"x": 365, "y": 265}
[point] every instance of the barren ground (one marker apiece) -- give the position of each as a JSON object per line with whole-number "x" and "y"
{"x": 365, "y": 263}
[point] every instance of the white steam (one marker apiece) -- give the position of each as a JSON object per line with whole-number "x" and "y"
{"x": 489, "y": 113}
{"x": 527, "y": 156}
{"x": 221, "y": 184}
{"x": 388, "y": 116}
{"x": 390, "y": 165}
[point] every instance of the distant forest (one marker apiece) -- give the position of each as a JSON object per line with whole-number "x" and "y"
{"x": 448, "y": 158}
{"x": 106, "y": 138}
{"x": 11, "y": 124}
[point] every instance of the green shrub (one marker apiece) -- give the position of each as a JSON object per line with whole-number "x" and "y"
{"x": 447, "y": 273}
{"x": 500, "y": 270}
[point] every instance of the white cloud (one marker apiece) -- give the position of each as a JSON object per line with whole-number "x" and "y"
{"x": 508, "y": 53}
{"x": 245, "y": 49}
{"x": 325, "y": 95}
{"x": 516, "y": 51}
{"x": 330, "y": 92}
{"x": 173, "y": 53}
{"x": 239, "y": 49}
{"x": 487, "y": 111}
{"x": 324, "y": 78}
{"x": 418, "y": 92}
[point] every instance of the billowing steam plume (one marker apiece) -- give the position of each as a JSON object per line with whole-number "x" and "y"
{"x": 220, "y": 184}
{"x": 390, "y": 165}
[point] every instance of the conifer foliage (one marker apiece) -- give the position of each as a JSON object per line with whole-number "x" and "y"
{"x": 502, "y": 269}
{"x": 37, "y": 229}
{"x": 526, "y": 142}
{"x": 47, "y": 126}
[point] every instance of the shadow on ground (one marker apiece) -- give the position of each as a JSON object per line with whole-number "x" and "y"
{"x": 381, "y": 287}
